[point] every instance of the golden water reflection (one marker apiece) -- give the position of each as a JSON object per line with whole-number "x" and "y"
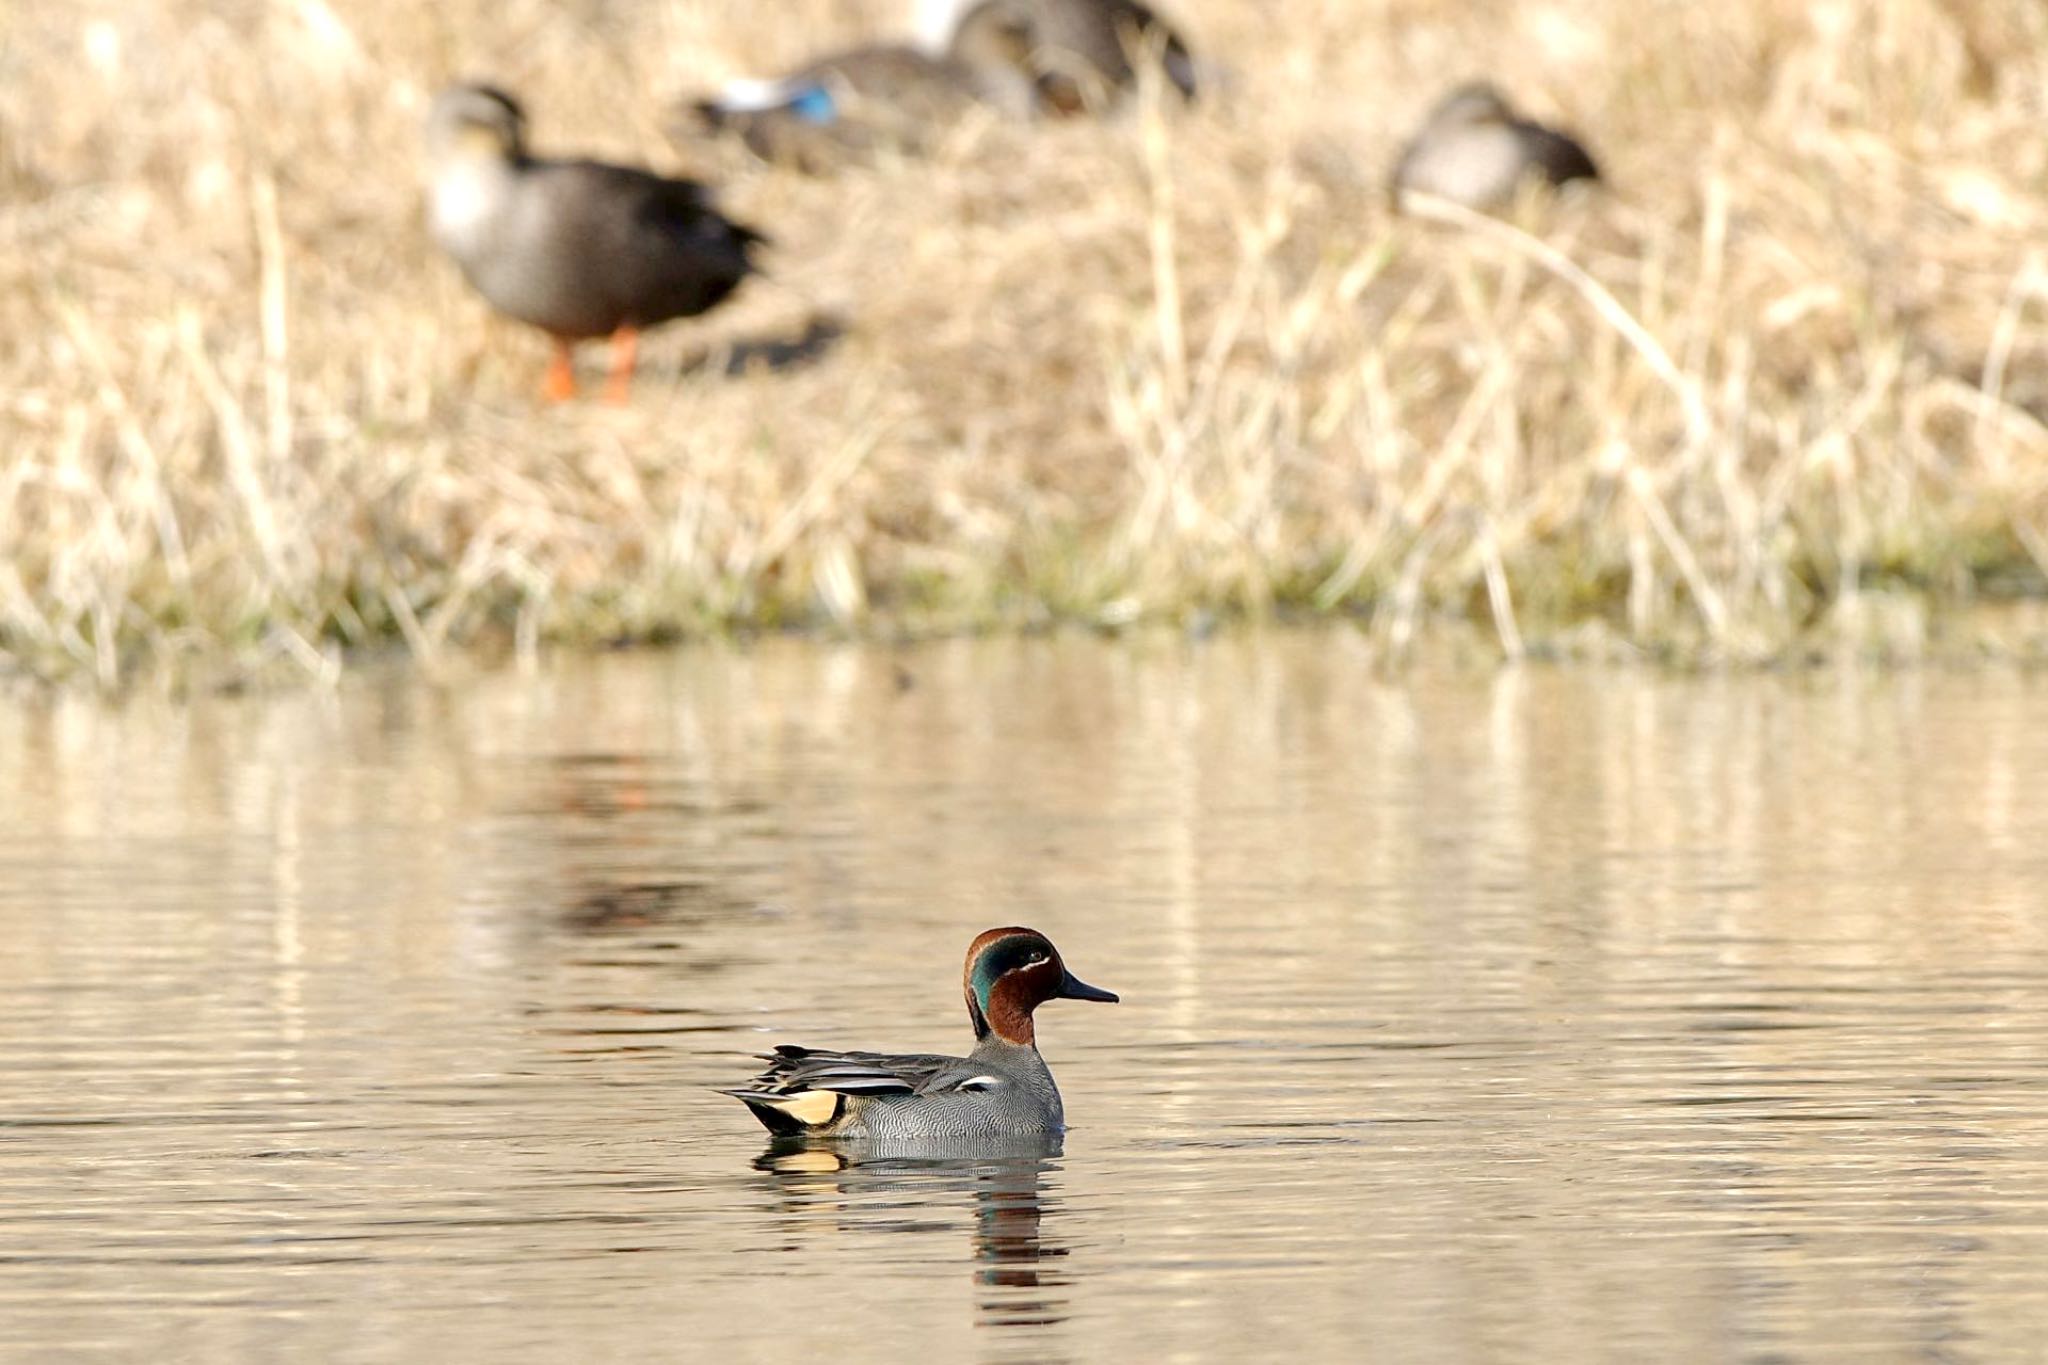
{"x": 1477, "y": 1015}
{"x": 1017, "y": 1265}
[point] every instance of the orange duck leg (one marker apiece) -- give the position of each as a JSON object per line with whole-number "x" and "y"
{"x": 625, "y": 358}
{"x": 560, "y": 384}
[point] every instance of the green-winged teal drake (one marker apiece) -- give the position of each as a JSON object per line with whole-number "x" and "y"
{"x": 1000, "y": 1089}
{"x": 853, "y": 103}
{"x": 1475, "y": 149}
{"x": 579, "y": 249}
{"x": 1088, "y": 49}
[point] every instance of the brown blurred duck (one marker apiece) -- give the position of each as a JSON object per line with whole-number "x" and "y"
{"x": 1475, "y": 149}
{"x": 1087, "y": 48}
{"x": 579, "y": 249}
{"x": 852, "y": 103}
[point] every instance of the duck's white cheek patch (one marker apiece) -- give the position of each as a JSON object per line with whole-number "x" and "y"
{"x": 464, "y": 202}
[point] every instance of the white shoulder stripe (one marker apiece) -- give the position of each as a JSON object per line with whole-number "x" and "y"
{"x": 751, "y": 96}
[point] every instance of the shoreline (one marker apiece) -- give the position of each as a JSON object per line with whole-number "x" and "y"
{"x": 1886, "y": 632}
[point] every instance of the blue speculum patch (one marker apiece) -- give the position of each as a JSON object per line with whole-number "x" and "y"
{"x": 814, "y": 104}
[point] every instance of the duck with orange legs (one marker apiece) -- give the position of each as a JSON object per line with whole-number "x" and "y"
{"x": 579, "y": 249}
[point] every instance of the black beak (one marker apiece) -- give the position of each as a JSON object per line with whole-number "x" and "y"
{"x": 1074, "y": 988}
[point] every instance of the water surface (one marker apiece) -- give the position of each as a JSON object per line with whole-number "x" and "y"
{"x": 1522, "y": 1016}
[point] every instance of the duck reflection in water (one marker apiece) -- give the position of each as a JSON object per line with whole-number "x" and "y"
{"x": 866, "y": 1188}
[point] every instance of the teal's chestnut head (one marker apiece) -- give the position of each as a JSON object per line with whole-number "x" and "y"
{"x": 1011, "y": 972}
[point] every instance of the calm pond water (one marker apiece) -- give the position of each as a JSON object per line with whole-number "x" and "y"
{"x": 1534, "y": 1015}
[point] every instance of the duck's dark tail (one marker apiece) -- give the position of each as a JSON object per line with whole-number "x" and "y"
{"x": 806, "y": 1111}
{"x": 1560, "y": 156}
{"x": 708, "y": 115}
{"x": 749, "y": 238}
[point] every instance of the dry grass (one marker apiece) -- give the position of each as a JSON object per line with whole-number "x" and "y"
{"x": 1151, "y": 369}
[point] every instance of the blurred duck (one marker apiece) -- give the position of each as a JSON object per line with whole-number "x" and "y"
{"x": 579, "y": 249}
{"x": 1088, "y": 50}
{"x": 856, "y": 102}
{"x": 1475, "y": 149}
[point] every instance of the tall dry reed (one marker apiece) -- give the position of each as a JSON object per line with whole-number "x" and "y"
{"x": 1784, "y": 384}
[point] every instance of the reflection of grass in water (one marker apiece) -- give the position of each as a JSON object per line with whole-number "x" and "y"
{"x": 1106, "y": 373}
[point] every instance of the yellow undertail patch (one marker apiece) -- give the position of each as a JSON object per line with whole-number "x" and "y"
{"x": 809, "y": 1107}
